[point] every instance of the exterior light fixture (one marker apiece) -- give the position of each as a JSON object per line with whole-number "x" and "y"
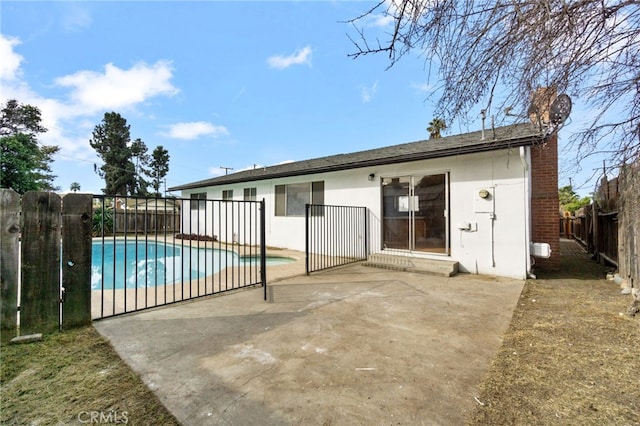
{"x": 371, "y": 177}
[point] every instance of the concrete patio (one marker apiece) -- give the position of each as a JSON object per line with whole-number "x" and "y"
{"x": 353, "y": 345}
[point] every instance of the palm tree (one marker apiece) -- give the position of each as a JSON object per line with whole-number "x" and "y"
{"x": 435, "y": 126}
{"x": 75, "y": 187}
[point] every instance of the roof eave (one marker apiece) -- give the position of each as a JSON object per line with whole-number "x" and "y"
{"x": 450, "y": 152}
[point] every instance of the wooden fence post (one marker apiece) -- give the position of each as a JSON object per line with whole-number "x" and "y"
{"x": 9, "y": 270}
{"x": 40, "y": 293}
{"x": 76, "y": 259}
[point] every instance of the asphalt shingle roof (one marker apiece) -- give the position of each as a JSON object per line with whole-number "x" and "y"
{"x": 502, "y": 137}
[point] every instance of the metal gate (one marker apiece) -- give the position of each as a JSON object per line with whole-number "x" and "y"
{"x": 148, "y": 252}
{"x": 335, "y": 236}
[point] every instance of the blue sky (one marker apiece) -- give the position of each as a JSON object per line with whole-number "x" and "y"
{"x": 231, "y": 84}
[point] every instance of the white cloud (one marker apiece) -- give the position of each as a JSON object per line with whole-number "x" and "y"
{"x": 410, "y": 10}
{"x": 76, "y": 17}
{"x": 386, "y": 18}
{"x": 422, "y": 87}
{"x": 300, "y": 57}
{"x": 10, "y": 63}
{"x": 69, "y": 121}
{"x": 117, "y": 88}
{"x": 195, "y": 129}
{"x": 367, "y": 93}
{"x": 379, "y": 20}
{"x": 239, "y": 94}
{"x": 217, "y": 171}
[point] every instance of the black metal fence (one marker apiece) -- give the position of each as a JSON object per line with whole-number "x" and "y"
{"x": 335, "y": 236}
{"x": 148, "y": 252}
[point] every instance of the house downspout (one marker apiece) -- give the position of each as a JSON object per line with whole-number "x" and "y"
{"x": 527, "y": 211}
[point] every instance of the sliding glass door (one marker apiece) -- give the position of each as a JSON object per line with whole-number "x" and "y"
{"x": 414, "y": 213}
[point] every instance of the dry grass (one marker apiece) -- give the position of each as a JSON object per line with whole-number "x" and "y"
{"x": 69, "y": 375}
{"x": 569, "y": 357}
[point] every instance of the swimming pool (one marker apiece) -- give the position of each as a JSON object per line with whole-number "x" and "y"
{"x": 142, "y": 263}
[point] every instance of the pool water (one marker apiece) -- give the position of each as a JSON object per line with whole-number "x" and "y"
{"x": 141, "y": 264}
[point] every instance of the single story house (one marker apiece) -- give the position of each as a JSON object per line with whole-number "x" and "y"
{"x": 160, "y": 205}
{"x": 480, "y": 198}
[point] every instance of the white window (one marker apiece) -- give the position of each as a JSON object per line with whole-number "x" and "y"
{"x": 291, "y": 198}
{"x": 198, "y": 202}
{"x": 227, "y": 194}
{"x": 249, "y": 194}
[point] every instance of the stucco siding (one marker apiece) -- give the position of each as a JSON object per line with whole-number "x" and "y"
{"x": 497, "y": 242}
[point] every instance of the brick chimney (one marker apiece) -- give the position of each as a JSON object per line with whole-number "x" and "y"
{"x": 545, "y": 220}
{"x": 541, "y": 101}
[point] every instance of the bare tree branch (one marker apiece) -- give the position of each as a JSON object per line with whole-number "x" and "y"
{"x": 589, "y": 49}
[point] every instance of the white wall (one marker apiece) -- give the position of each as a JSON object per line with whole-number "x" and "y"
{"x": 501, "y": 251}
{"x": 227, "y": 221}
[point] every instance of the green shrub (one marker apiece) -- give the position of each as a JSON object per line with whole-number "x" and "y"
{"x": 102, "y": 221}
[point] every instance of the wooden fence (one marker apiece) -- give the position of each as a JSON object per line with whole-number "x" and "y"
{"x": 629, "y": 224}
{"x": 45, "y": 261}
{"x": 596, "y": 230}
{"x": 610, "y": 227}
{"x": 146, "y": 221}
{"x": 580, "y": 227}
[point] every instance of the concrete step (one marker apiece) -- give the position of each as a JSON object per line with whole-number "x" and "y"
{"x": 441, "y": 267}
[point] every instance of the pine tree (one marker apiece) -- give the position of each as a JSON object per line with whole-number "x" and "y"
{"x": 158, "y": 168}
{"x": 112, "y": 142}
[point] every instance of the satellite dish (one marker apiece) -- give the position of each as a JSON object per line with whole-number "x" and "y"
{"x": 560, "y": 109}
